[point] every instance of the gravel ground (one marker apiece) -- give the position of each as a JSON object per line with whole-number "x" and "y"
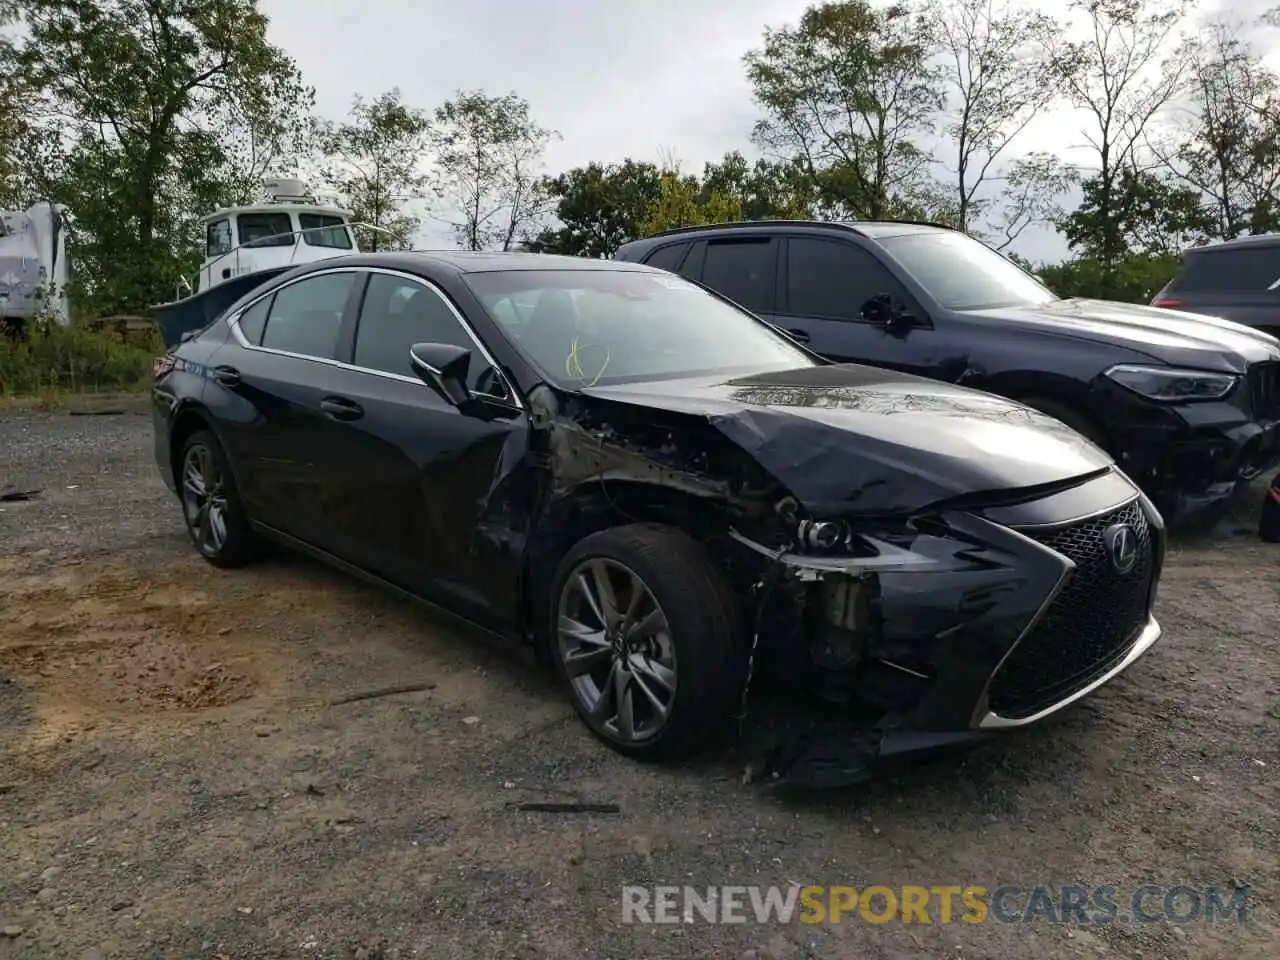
{"x": 177, "y": 780}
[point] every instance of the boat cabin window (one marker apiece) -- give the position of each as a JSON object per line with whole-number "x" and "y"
{"x": 265, "y": 229}
{"x": 217, "y": 238}
{"x": 324, "y": 230}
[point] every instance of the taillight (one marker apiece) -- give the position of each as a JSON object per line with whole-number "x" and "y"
{"x": 160, "y": 366}
{"x": 1170, "y": 302}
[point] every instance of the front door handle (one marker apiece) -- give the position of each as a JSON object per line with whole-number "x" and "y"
{"x": 340, "y": 408}
{"x": 227, "y": 376}
{"x": 799, "y": 335}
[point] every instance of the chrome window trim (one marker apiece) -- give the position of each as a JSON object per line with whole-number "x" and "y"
{"x": 233, "y": 323}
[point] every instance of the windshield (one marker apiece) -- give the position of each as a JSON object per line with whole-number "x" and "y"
{"x": 962, "y": 273}
{"x": 588, "y": 327}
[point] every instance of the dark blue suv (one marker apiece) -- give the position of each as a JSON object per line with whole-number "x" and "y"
{"x": 1188, "y": 405}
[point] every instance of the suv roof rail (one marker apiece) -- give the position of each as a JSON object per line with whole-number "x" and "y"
{"x": 843, "y": 224}
{"x": 1252, "y": 239}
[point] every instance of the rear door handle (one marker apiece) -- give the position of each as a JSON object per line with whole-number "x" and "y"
{"x": 799, "y": 335}
{"x": 340, "y": 408}
{"x": 227, "y": 376}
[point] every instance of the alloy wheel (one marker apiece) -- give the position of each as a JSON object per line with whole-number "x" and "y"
{"x": 204, "y": 500}
{"x": 616, "y": 648}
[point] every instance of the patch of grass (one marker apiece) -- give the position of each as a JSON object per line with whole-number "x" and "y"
{"x": 46, "y": 364}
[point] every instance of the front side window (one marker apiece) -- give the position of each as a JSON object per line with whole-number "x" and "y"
{"x": 587, "y": 327}
{"x": 305, "y": 316}
{"x": 324, "y": 230}
{"x": 399, "y": 312}
{"x": 265, "y": 229}
{"x": 833, "y": 281}
{"x": 218, "y": 238}
{"x": 962, "y": 273}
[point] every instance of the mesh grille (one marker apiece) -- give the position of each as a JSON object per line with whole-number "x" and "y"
{"x": 1264, "y": 390}
{"x": 1088, "y": 627}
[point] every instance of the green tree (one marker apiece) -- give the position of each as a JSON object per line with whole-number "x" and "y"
{"x": 375, "y": 161}
{"x": 490, "y": 154}
{"x": 1121, "y": 76}
{"x": 765, "y": 189}
{"x": 599, "y": 208}
{"x": 681, "y": 203}
{"x": 139, "y": 93}
{"x": 1227, "y": 145}
{"x": 1146, "y": 213}
{"x": 849, "y": 92}
{"x": 998, "y": 76}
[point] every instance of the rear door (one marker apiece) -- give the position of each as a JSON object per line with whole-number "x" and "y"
{"x": 826, "y": 283}
{"x": 411, "y": 474}
{"x": 269, "y": 388}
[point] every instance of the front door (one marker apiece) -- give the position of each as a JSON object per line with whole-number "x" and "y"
{"x": 414, "y": 477}
{"x": 827, "y": 282}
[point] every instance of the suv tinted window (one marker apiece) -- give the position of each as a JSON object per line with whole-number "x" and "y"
{"x": 305, "y": 316}
{"x": 742, "y": 270}
{"x": 396, "y": 314}
{"x": 668, "y": 257}
{"x": 254, "y": 320}
{"x": 826, "y": 278}
{"x": 1239, "y": 270}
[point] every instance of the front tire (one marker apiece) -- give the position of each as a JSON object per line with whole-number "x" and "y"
{"x": 644, "y": 638}
{"x": 215, "y": 518}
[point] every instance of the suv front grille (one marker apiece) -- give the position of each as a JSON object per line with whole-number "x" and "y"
{"x": 1089, "y": 626}
{"x": 1264, "y": 390}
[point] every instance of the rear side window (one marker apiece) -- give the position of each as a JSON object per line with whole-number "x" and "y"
{"x": 254, "y": 320}
{"x": 669, "y": 257}
{"x": 1237, "y": 270}
{"x": 743, "y": 271}
{"x": 305, "y": 316}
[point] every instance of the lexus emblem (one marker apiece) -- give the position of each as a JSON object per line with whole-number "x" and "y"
{"x": 1122, "y": 545}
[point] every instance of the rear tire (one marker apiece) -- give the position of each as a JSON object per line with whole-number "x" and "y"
{"x": 644, "y": 638}
{"x": 1082, "y": 423}
{"x": 215, "y": 518}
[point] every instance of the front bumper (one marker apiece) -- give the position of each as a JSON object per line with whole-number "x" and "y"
{"x": 1026, "y": 621}
{"x": 1191, "y": 455}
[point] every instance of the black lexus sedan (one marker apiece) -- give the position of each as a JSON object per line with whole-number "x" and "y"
{"x": 667, "y": 497}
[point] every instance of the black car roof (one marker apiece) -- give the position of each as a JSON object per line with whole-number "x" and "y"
{"x": 465, "y": 261}
{"x": 872, "y": 229}
{"x": 1222, "y": 246}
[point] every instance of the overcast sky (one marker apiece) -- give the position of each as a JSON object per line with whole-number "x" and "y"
{"x": 616, "y": 79}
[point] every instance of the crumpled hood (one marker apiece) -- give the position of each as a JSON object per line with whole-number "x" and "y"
{"x": 1172, "y": 336}
{"x": 847, "y": 438}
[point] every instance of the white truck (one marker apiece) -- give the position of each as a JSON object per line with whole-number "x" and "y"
{"x": 34, "y": 270}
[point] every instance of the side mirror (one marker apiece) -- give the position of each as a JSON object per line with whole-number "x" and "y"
{"x": 443, "y": 367}
{"x": 880, "y": 311}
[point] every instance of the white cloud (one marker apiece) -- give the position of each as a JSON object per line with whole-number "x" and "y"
{"x": 616, "y": 80}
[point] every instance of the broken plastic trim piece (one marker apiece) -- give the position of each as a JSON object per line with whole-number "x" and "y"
{"x": 888, "y": 559}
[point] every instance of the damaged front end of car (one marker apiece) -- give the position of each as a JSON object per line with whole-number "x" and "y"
{"x": 891, "y": 604}
{"x": 911, "y": 635}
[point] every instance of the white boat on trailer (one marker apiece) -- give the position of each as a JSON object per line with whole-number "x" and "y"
{"x": 245, "y": 246}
